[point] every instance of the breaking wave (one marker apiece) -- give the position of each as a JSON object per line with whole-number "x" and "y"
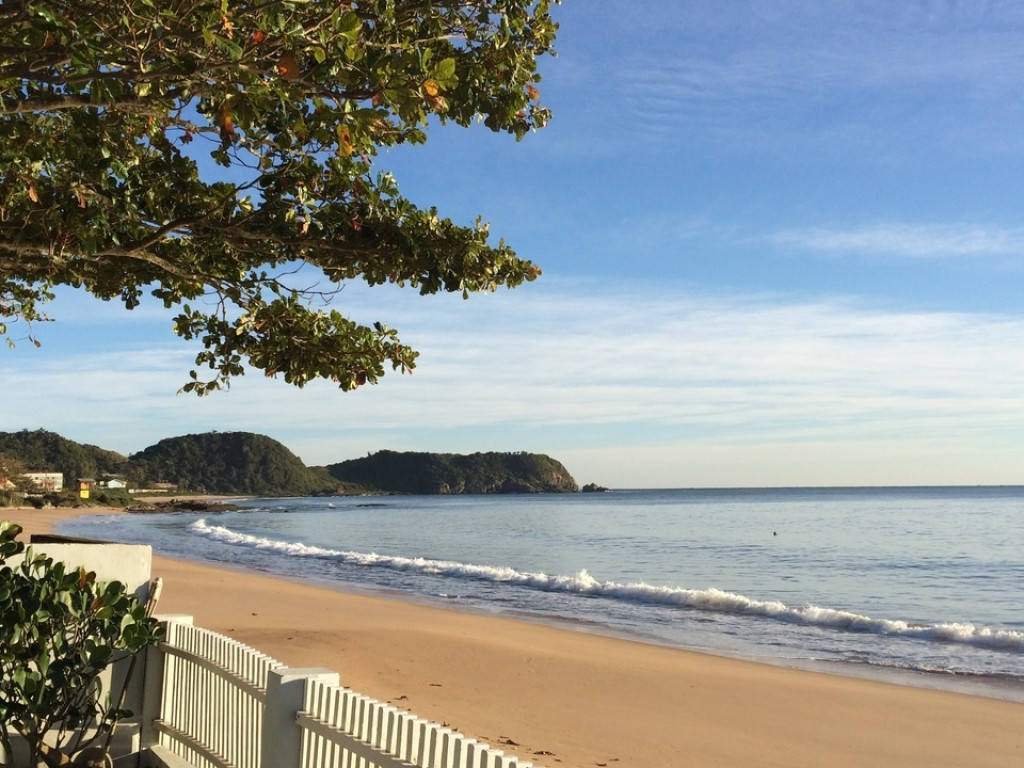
{"x": 583, "y": 583}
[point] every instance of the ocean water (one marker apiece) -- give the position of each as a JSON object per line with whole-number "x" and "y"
{"x": 921, "y": 585}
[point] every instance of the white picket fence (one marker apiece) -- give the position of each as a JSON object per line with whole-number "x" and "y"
{"x": 213, "y": 697}
{"x": 212, "y": 702}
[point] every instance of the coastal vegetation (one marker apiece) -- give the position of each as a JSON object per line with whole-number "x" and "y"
{"x": 249, "y": 464}
{"x": 218, "y": 158}
{"x": 41, "y": 450}
{"x": 59, "y": 630}
{"x": 230, "y": 463}
{"x": 442, "y": 473}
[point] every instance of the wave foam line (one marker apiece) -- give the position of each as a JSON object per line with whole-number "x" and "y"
{"x": 584, "y": 584}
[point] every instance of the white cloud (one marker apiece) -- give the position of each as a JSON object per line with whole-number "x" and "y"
{"x": 613, "y": 373}
{"x": 908, "y": 240}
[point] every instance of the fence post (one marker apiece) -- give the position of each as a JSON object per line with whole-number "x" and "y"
{"x": 153, "y": 685}
{"x": 286, "y": 692}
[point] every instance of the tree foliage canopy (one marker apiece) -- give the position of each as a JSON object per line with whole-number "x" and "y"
{"x": 116, "y": 113}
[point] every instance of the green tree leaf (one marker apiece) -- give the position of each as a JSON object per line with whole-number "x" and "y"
{"x": 104, "y": 187}
{"x": 53, "y": 645}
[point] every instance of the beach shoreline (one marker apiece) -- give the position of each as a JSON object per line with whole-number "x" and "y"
{"x": 563, "y": 697}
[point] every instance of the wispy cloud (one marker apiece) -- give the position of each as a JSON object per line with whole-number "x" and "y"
{"x": 760, "y": 74}
{"x": 917, "y": 241}
{"x": 615, "y": 371}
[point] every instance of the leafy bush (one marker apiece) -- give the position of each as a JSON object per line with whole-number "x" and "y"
{"x": 114, "y": 498}
{"x": 59, "y": 630}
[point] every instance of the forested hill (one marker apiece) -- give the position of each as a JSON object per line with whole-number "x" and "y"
{"x": 442, "y": 473}
{"x": 248, "y": 464}
{"x": 231, "y": 463}
{"x": 42, "y": 451}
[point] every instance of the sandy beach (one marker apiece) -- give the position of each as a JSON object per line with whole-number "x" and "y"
{"x": 567, "y": 698}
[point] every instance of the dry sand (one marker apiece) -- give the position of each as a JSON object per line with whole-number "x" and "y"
{"x": 565, "y": 698}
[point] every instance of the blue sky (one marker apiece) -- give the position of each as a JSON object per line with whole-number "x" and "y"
{"x": 782, "y": 245}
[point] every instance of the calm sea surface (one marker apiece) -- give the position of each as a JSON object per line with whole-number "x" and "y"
{"x": 921, "y": 584}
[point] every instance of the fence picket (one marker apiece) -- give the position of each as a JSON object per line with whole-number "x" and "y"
{"x": 434, "y": 748}
{"x": 415, "y": 741}
{"x": 214, "y": 703}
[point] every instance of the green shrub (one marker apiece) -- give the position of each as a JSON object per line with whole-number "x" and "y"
{"x": 59, "y": 629}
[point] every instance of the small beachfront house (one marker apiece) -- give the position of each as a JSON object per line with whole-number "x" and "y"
{"x": 46, "y": 482}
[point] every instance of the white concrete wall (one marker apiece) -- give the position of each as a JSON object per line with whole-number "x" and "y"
{"x": 131, "y": 564}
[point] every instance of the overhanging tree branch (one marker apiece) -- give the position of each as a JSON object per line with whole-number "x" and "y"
{"x": 103, "y": 185}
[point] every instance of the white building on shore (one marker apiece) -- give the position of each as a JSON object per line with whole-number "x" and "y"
{"x": 46, "y": 482}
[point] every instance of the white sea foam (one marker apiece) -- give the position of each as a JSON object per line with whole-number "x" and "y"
{"x": 584, "y": 584}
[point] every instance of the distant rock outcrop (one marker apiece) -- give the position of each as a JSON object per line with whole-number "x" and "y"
{"x": 450, "y": 473}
